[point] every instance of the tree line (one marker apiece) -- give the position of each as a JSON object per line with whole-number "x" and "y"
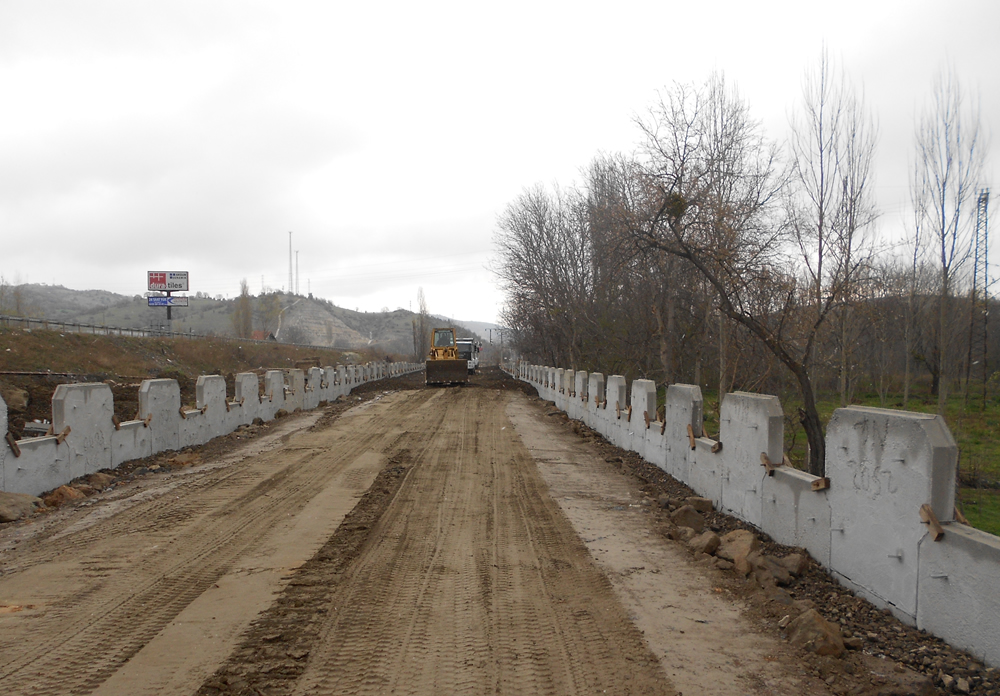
{"x": 716, "y": 256}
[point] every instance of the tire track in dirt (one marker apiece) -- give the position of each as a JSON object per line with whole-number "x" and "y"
{"x": 470, "y": 581}
{"x": 146, "y": 564}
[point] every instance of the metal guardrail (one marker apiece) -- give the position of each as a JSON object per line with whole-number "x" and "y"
{"x": 27, "y": 323}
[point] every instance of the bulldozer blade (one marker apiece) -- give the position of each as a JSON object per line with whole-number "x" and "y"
{"x": 447, "y": 371}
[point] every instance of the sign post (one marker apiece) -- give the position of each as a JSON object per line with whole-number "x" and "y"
{"x": 168, "y": 282}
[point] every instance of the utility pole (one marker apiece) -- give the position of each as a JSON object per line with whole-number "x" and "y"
{"x": 979, "y": 300}
{"x": 290, "y": 280}
{"x": 297, "y": 276}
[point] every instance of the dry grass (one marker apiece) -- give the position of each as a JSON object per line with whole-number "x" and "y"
{"x": 41, "y": 351}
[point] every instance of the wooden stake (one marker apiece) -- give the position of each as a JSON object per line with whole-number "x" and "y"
{"x": 717, "y": 447}
{"x": 930, "y": 519}
{"x": 960, "y": 518}
{"x": 821, "y": 484}
{"x": 645, "y": 417}
{"x": 61, "y": 437}
{"x": 117, "y": 423}
{"x": 13, "y": 445}
{"x": 766, "y": 462}
{"x": 183, "y": 414}
{"x": 690, "y": 436}
{"x": 629, "y": 419}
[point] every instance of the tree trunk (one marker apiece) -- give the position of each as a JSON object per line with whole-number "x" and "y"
{"x": 943, "y": 353}
{"x": 723, "y": 387}
{"x": 812, "y": 425}
{"x": 843, "y": 357}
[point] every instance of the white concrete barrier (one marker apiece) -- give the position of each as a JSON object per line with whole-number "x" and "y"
{"x": 89, "y": 410}
{"x": 87, "y": 436}
{"x": 883, "y": 465}
{"x": 862, "y": 521}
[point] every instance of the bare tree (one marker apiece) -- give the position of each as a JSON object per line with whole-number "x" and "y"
{"x": 832, "y": 144}
{"x": 421, "y": 328}
{"x": 243, "y": 312}
{"x": 546, "y": 270}
{"x": 268, "y": 311}
{"x": 717, "y": 185}
{"x": 950, "y": 157}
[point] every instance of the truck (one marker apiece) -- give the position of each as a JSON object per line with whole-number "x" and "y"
{"x": 468, "y": 350}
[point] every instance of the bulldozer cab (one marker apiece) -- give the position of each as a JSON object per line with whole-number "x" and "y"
{"x": 444, "y": 338}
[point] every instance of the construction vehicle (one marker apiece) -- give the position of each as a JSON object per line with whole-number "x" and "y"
{"x": 468, "y": 350}
{"x": 443, "y": 365}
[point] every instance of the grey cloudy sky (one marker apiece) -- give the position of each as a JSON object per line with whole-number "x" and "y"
{"x": 388, "y": 136}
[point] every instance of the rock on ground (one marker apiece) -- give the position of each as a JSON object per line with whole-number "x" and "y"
{"x": 63, "y": 495}
{"x": 687, "y": 516}
{"x": 812, "y": 632}
{"x": 16, "y": 506}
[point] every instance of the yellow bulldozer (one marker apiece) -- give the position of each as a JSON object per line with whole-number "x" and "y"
{"x": 443, "y": 365}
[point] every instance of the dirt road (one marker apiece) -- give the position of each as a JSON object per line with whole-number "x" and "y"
{"x": 432, "y": 541}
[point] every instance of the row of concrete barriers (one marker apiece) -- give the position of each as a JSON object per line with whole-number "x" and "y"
{"x": 862, "y": 520}
{"x": 86, "y": 436}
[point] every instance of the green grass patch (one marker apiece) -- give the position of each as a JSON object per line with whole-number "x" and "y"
{"x": 981, "y": 506}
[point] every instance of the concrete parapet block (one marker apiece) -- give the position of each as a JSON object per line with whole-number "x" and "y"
{"x": 882, "y": 466}
{"x": 313, "y": 392}
{"x": 274, "y": 394}
{"x": 88, "y": 411}
{"x": 705, "y": 469}
{"x": 295, "y": 389}
{"x": 43, "y": 465}
{"x": 682, "y": 407}
{"x": 595, "y": 388}
{"x": 749, "y": 425}
{"x": 617, "y": 408}
{"x": 210, "y": 398}
{"x": 795, "y": 514}
{"x": 617, "y": 397}
{"x": 328, "y": 387}
{"x": 644, "y": 401}
{"x": 159, "y": 406}
{"x": 560, "y": 380}
{"x": 134, "y": 440}
{"x": 247, "y": 394}
{"x": 341, "y": 375}
{"x": 580, "y": 384}
{"x": 351, "y": 374}
{"x": 957, "y": 590}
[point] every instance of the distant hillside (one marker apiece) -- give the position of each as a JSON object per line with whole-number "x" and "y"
{"x": 54, "y": 301}
{"x": 292, "y": 318}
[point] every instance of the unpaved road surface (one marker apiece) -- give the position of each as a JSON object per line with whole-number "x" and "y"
{"x": 431, "y": 541}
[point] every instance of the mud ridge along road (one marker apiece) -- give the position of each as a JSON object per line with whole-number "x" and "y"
{"x": 427, "y": 541}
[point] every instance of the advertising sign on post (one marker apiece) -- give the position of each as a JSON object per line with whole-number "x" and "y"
{"x": 167, "y": 301}
{"x": 168, "y": 281}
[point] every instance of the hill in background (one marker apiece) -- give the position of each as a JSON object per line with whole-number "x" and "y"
{"x": 291, "y": 318}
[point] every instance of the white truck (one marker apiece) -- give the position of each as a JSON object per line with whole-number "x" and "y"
{"x": 468, "y": 349}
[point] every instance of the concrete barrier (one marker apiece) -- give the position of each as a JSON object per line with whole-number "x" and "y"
{"x": 862, "y": 522}
{"x": 89, "y": 410}
{"x": 87, "y": 437}
{"x": 883, "y": 465}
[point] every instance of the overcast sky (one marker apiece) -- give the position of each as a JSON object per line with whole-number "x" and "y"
{"x": 388, "y": 136}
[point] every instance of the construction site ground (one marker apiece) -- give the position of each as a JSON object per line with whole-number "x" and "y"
{"x": 413, "y": 540}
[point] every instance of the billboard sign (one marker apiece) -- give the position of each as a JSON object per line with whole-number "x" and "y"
{"x": 165, "y": 301}
{"x": 168, "y": 281}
